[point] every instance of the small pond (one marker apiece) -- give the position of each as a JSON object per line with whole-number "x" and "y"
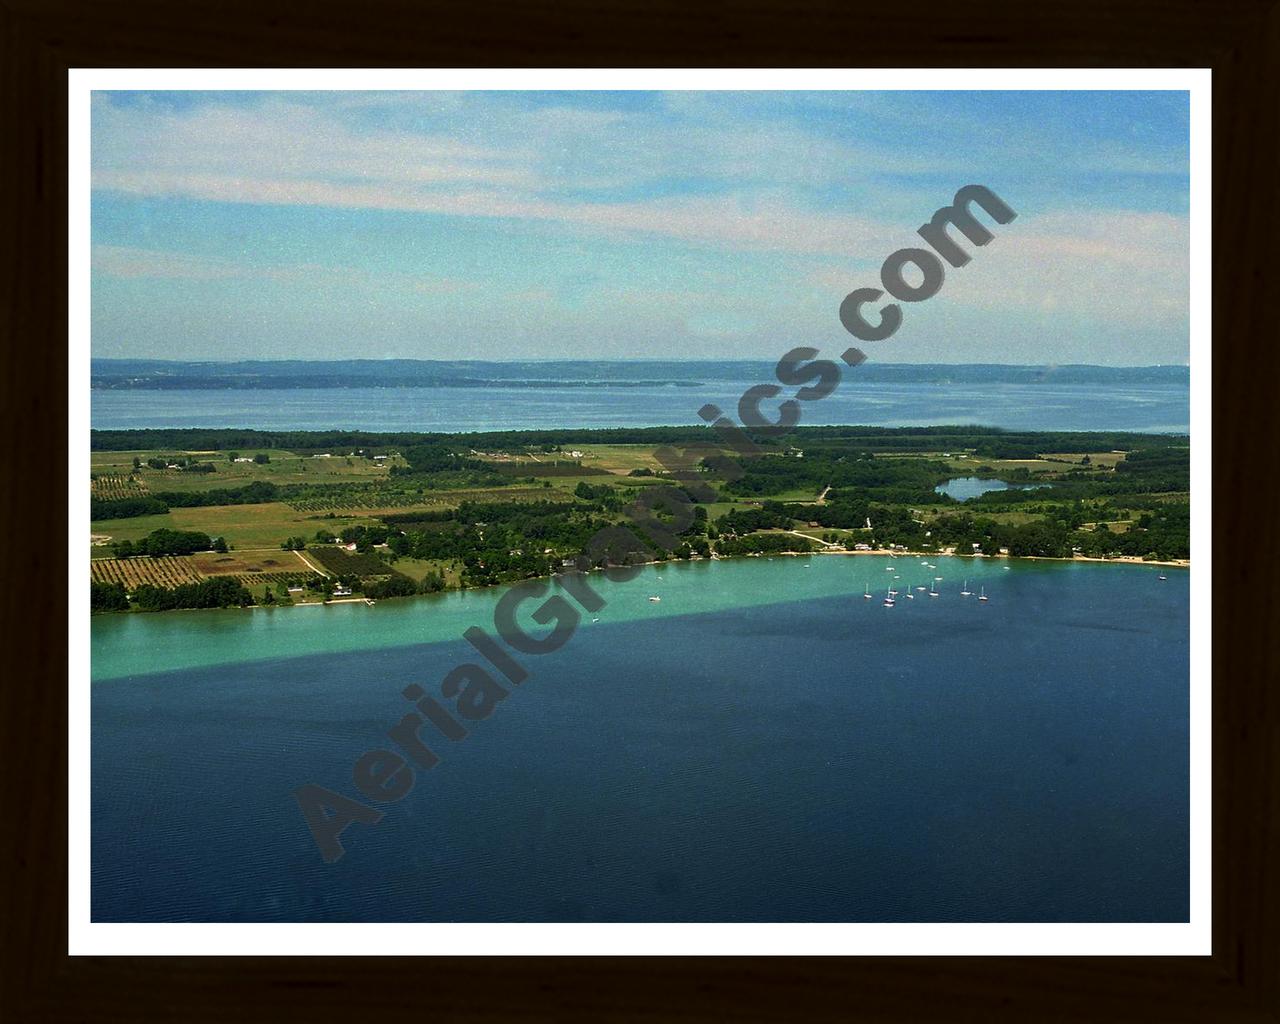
{"x": 966, "y": 488}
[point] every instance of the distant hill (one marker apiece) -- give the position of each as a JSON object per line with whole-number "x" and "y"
{"x": 155, "y": 374}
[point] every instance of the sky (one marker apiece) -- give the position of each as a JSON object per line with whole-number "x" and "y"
{"x": 614, "y": 225}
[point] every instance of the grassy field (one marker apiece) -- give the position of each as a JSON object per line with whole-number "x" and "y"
{"x": 242, "y": 526}
{"x": 1103, "y": 460}
{"x": 284, "y": 468}
{"x": 619, "y": 458}
{"x": 237, "y": 563}
{"x": 417, "y": 568}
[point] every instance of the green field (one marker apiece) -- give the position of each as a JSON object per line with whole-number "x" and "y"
{"x": 284, "y": 468}
{"x": 242, "y": 526}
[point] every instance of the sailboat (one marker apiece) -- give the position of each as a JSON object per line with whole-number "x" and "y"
{"x": 983, "y": 595}
{"x": 934, "y": 591}
{"x": 966, "y": 592}
{"x": 888, "y": 599}
{"x": 866, "y": 592}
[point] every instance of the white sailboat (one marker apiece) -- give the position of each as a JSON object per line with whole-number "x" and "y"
{"x": 966, "y": 592}
{"x": 983, "y": 595}
{"x": 866, "y": 592}
{"x": 888, "y": 599}
{"x": 934, "y": 591}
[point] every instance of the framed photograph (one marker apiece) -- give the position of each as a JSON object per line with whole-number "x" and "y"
{"x": 749, "y": 526}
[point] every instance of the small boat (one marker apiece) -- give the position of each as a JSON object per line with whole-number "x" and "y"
{"x": 922, "y": 588}
{"x": 938, "y": 578}
{"x": 983, "y": 595}
{"x": 1162, "y": 577}
{"x": 966, "y": 592}
{"x": 595, "y": 620}
{"x": 867, "y": 593}
{"x": 934, "y": 591}
{"x": 909, "y": 596}
{"x": 369, "y": 600}
{"x": 888, "y": 600}
{"x": 893, "y": 593}
{"x": 888, "y": 568}
{"x": 655, "y": 598}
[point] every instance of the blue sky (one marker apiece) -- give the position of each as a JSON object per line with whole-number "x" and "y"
{"x": 505, "y": 225}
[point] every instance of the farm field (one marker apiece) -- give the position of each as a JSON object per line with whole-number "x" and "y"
{"x": 265, "y": 525}
{"x": 242, "y": 526}
{"x": 1106, "y": 460}
{"x": 594, "y": 459}
{"x": 378, "y": 500}
{"x": 174, "y": 570}
{"x": 235, "y": 563}
{"x": 344, "y": 563}
{"x": 112, "y": 486}
{"x": 166, "y": 571}
{"x": 284, "y": 468}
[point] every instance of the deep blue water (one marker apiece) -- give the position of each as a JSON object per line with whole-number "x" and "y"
{"x": 821, "y": 760}
{"x": 1150, "y": 407}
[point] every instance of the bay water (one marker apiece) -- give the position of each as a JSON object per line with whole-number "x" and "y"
{"x": 762, "y": 744}
{"x": 1145, "y": 407}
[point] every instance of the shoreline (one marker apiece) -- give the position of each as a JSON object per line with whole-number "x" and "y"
{"x": 1120, "y": 560}
{"x": 1176, "y": 563}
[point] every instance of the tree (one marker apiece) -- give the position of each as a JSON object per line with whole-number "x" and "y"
{"x": 107, "y": 597}
{"x": 220, "y": 545}
{"x": 262, "y": 458}
{"x": 137, "y": 462}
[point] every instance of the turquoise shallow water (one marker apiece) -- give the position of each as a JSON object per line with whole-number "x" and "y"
{"x": 141, "y": 643}
{"x": 763, "y": 744}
